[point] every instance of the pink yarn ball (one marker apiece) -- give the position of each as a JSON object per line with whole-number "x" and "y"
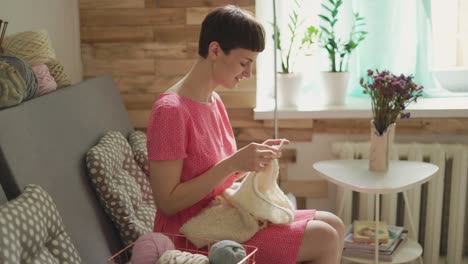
{"x": 149, "y": 248}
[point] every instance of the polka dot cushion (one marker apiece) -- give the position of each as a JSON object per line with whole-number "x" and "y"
{"x": 31, "y": 231}
{"x": 137, "y": 140}
{"x": 121, "y": 186}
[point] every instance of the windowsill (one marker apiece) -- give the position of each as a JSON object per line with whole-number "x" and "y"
{"x": 361, "y": 108}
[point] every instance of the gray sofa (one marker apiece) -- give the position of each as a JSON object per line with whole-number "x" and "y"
{"x": 44, "y": 141}
{"x": 2, "y": 196}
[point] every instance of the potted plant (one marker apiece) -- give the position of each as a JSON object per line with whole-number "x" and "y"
{"x": 289, "y": 81}
{"x": 335, "y": 80}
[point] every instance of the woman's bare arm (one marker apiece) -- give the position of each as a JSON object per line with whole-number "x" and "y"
{"x": 171, "y": 196}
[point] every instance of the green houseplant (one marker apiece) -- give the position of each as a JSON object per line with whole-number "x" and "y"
{"x": 338, "y": 50}
{"x": 290, "y": 53}
{"x": 290, "y": 82}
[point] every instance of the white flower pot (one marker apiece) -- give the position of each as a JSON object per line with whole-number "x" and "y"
{"x": 335, "y": 85}
{"x": 289, "y": 89}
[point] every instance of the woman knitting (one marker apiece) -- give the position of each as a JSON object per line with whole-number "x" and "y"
{"x": 192, "y": 149}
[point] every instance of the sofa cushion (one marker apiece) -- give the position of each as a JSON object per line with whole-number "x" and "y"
{"x": 45, "y": 143}
{"x": 32, "y": 230}
{"x": 122, "y": 187}
{"x": 137, "y": 140}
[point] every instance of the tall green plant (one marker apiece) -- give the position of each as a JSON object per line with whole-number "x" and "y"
{"x": 338, "y": 50}
{"x": 289, "y": 54}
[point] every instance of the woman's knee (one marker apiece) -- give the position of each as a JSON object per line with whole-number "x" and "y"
{"x": 319, "y": 242}
{"x": 321, "y": 234}
{"x": 332, "y": 220}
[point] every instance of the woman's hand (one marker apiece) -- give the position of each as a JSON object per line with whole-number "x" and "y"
{"x": 253, "y": 157}
{"x": 276, "y": 142}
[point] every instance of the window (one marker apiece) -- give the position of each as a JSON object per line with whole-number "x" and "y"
{"x": 450, "y": 43}
{"x": 449, "y": 60}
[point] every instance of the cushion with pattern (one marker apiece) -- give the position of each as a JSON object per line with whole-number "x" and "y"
{"x": 32, "y": 231}
{"x": 122, "y": 187}
{"x": 137, "y": 140}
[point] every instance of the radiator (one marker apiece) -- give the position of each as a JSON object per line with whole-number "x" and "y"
{"x": 438, "y": 206}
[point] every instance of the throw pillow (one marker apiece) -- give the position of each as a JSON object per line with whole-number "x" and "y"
{"x": 137, "y": 140}
{"x": 122, "y": 187}
{"x": 32, "y": 230}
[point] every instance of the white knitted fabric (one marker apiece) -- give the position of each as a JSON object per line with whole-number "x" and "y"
{"x": 220, "y": 221}
{"x": 235, "y": 215}
{"x": 260, "y": 195}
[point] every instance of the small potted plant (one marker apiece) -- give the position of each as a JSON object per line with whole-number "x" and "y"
{"x": 289, "y": 81}
{"x": 390, "y": 95}
{"x": 335, "y": 80}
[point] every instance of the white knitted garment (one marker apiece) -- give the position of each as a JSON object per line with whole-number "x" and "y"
{"x": 235, "y": 214}
{"x": 220, "y": 221}
{"x": 260, "y": 195}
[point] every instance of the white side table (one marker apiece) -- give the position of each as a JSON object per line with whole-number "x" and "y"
{"x": 400, "y": 176}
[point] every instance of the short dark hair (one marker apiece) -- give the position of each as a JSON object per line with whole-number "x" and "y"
{"x": 232, "y": 28}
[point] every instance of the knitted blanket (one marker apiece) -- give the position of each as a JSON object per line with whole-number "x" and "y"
{"x": 242, "y": 210}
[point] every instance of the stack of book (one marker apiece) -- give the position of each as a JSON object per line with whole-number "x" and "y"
{"x": 360, "y": 239}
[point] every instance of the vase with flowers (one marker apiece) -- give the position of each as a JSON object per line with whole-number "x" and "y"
{"x": 390, "y": 95}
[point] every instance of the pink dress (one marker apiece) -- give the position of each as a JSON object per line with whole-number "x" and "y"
{"x": 201, "y": 135}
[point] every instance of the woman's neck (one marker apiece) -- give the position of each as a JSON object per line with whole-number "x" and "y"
{"x": 198, "y": 84}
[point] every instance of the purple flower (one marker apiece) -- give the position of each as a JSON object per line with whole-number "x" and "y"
{"x": 405, "y": 115}
{"x": 390, "y": 94}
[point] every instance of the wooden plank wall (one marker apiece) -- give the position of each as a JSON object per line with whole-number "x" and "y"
{"x": 147, "y": 45}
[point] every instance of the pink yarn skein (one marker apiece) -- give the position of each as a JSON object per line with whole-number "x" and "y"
{"x": 150, "y": 247}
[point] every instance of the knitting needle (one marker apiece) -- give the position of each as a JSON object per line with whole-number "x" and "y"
{"x": 1, "y": 22}
{"x": 281, "y": 143}
{"x": 1, "y": 41}
{"x": 3, "y": 31}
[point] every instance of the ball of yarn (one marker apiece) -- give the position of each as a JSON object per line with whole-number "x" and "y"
{"x": 150, "y": 247}
{"x": 58, "y": 72}
{"x": 26, "y": 72}
{"x": 12, "y": 86}
{"x": 182, "y": 257}
{"x": 226, "y": 252}
{"x": 45, "y": 82}
{"x": 32, "y": 46}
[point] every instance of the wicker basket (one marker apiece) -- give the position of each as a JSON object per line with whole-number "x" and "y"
{"x": 124, "y": 255}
